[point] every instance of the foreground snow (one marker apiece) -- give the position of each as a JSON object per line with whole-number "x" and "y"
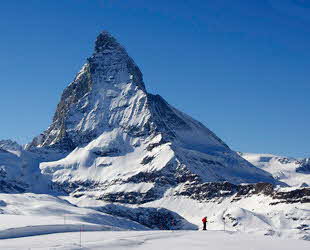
{"x": 150, "y": 240}
{"x": 33, "y": 214}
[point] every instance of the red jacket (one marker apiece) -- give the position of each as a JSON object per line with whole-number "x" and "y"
{"x": 204, "y": 219}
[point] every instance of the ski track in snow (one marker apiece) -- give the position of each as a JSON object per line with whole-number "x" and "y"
{"x": 181, "y": 240}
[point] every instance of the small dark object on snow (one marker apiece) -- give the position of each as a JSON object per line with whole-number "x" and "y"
{"x": 204, "y": 221}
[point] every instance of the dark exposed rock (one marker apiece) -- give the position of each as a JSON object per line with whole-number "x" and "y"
{"x": 74, "y": 186}
{"x": 131, "y": 197}
{"x": 293, "y": 196}
{"x": 192, "y": 188}
{"x": 285, "y": 160}
{"x": 12, "y": 187}
{"x": 105, "y": 42}
{"x": 109, "y": 152}
{"x": 263, "y": 188}
{"x": 147, "y": 159}
{"x": 208, "y": 191}
{"x": 167, "y": 176}
{"x": 304, "y": 166}
{"x": 158, "y": 177}
{"x": 304, "y": 227}
{"x": 244, "y": 190}
{"x": 182, "y": 177}
{"x": 151, "y": 146}
{"x": 155, "y": 218}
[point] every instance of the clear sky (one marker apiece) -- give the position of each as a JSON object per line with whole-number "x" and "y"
{"x": 240, "y": 67}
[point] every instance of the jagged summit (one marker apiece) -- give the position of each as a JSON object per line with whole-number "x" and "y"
{"x": 108, "y": 76}
{"x": 108, "y": 52}
{"x": 105, "y": 41}
{"x": 111, "y": 85}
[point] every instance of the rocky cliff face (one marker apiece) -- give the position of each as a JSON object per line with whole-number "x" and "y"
{"x": 304, "y": 166}
{"x": 98, "y": 99}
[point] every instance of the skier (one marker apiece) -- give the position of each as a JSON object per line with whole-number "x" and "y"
{"x": 204, "y": 221}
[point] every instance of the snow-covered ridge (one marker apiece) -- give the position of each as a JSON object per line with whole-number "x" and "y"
{"x": 10, "y": 146}
{"x": 294, "y": 172}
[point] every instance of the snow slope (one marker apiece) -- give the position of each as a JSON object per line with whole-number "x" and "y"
{"x": 292, "y": 171}
{"x": 31, "y": 214}
{"x": 152, "y": 240}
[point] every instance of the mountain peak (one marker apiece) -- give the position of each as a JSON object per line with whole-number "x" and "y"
{"x": 105, "y": 41}
{"x": 10, "y": 145}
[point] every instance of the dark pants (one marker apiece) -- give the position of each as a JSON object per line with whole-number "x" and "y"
{"x": 204, "y": 226}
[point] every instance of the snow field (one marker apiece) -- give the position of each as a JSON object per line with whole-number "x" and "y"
{"x": 154, "y": 240}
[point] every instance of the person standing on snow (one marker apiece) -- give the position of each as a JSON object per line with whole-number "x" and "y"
{"x": 204, "y": 221}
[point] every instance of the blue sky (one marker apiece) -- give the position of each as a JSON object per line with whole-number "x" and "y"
{"x": 241, "y": 67}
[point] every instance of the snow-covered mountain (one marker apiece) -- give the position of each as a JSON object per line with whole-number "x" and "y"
{"x": 127, "y": 145}
{"x": 294, "y": 172}
{"x": 113, "y": 148}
